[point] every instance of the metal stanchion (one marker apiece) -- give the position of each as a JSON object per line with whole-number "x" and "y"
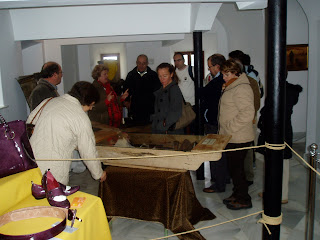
{"x": 312, "y": 190}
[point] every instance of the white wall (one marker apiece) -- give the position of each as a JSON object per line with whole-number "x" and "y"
{"x": 32, "y": 59}
{"x": 246, "y": 32}
{"x": 97, "y": 49}
{"x": 10, "y": 69}
{"x": 69, "y": 66}
{"x": 84, "y": 63}
{"x": 154, "y": 50}
{"x": 312, "y": 10}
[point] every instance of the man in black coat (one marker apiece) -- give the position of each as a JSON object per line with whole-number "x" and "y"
{"x": 141, "y": 82}
{"x": 211, "y": 94}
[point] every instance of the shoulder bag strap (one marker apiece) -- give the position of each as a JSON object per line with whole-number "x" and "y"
{"x": 40, "y": 110}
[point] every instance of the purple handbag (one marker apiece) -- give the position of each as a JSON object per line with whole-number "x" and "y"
{"x": 15, "y": 150}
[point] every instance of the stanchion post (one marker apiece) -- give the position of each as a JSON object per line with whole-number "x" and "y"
{"x": 198, "y": 82}
{"x": 275, "y": 109}
{"x": 312, "y": 191}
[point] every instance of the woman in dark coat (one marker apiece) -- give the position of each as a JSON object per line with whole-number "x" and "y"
{"x": 168, "y": 102}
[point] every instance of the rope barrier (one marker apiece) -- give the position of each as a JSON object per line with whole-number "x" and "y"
{"x": 272, "y": 146}
{"x": 313, "y": 169}
{"x": 270, "y": 221}
{"x": 275, "y": 146}
{"x": 215, "y": 225}
{"x": 159, "y": 156}
{"x": 265, "y": 220}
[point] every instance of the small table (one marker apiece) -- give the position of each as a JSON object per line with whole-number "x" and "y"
{"x": 16, "y": 194}
{"x": 167, "y": 197}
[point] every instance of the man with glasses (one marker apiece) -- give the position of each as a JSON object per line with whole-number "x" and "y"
{"x": 185, "y": 75}
{"x": 141, "y": 82}
{"x": 51, "y": 74}
{"x": 211, "y": 94}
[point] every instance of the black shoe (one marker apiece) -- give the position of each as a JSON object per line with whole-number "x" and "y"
{"x": 249, "y": 183}
{"x": 234, "y": 205}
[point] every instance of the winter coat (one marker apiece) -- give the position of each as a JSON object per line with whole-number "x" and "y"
{"x": 236, "y": 111}
{"x": 141, "y": 89}
{"x": 210, "y": 96}
{"x": 42, "y": 91}
{"x": 62, "y": 127}
{"x": 256, "y": 94}
{"x": 167, "y": 108}
{"x": 100, "y": 111}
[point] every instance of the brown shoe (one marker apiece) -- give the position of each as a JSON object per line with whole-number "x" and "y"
{"x": 234, "y": 205}
{"x": 260, "y": 194}
{"x": 211, "y": 190}
{"x": 229, "y": 200}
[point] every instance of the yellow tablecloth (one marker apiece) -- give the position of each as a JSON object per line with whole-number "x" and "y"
{"x": 16, "y": 193}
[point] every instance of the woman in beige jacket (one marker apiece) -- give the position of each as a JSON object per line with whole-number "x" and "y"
{"x": 236, "y": 113}
{"x": 63, "y": 126}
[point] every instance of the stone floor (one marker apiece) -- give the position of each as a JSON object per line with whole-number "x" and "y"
{"x": 294, "y": 213}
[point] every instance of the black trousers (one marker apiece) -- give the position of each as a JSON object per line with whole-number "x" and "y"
{"x": 236, "y": 169}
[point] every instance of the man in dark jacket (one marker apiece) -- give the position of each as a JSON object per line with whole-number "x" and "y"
{"x": 51, "y": 75}
{"x": 141, "y": 82}
{"x": 211, "y": 94}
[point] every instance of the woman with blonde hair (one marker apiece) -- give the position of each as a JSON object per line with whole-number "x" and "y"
{"x": 108, "y": 110}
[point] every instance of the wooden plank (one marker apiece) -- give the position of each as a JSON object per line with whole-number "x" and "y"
{"x": 106, "y": 136}
{"x": 212, "y": 142}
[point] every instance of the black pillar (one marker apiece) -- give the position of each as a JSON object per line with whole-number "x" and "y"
{"x": 275, "y": 107}
{"x": 198, "y": 82}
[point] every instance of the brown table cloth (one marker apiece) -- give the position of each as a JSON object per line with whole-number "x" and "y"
{"x": 152, "y": 195}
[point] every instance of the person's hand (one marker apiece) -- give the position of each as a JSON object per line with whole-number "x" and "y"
{"x": 127, "y": 104}
{"x": 103, "y": 176}
{"x": 125, "y": 94}
{"x": 110, "y": 96}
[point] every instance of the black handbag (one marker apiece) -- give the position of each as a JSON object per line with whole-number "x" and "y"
{"x": 15, "y": 150}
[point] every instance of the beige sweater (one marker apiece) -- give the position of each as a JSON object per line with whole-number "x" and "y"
{"x": 236, "y": 111}
{"x": 62, "y": 127}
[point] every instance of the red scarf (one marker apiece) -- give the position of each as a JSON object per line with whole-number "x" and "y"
{"x": 114, "y": 112}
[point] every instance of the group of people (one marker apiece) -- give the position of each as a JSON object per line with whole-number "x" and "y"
{"x": 230, "y": 101}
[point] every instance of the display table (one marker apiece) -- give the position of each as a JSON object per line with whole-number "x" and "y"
{"x": 16, "y": 193}
{"x": 167, "y": 197}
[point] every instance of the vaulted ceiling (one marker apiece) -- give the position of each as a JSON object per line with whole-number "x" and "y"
{"x": 57, "y": 19}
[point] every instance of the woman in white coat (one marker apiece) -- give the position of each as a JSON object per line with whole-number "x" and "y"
{"x": 62, "y": 126}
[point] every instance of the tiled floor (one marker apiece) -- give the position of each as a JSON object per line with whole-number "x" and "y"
{"x": 294, "y": 213}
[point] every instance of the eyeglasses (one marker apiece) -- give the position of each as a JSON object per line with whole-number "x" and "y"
{"x": 178, "y": 60}
{"x": 210, "y": 67}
